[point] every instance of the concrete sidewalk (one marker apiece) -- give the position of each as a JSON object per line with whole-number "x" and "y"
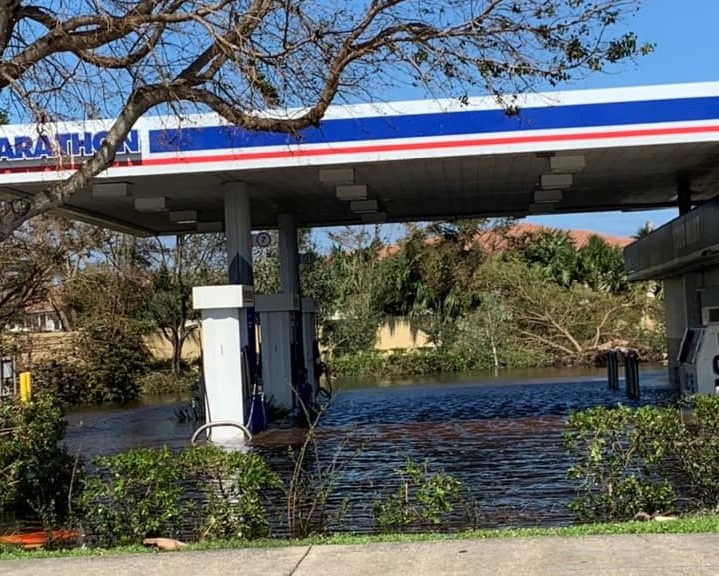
{"x": 655, "y": 555}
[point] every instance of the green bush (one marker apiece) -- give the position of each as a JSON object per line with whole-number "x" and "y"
{"x": 232, "y": 484}
{"x": 620, "y": 457}
{"x": 152, "y": 492}
{"x": 36, "y": 472}
{"x": 107, "y": 364}
{"x": 134, "y": 495}
{"x": 425, "y": 361}
{"x": 116, "y": 357}
{"x": 648, "y": 459}
{"x": 400, "y": 363}
{"x": 696, "y": 450}
{"x": 162, "y": 382}
{"x": 423, "y": 499}
{"x": 357, "y": 364}
{"x": 64, "y": 379}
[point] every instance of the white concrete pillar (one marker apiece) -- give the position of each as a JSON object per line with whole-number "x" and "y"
{"x": 238, "y": 230}
{"x": 290, "y": 286}
{"x": 289, "y": 254}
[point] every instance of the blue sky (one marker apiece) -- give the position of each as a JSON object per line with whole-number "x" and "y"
{"x": 687, "y": 49}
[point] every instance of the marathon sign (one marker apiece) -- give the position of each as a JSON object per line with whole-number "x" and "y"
{"x": 74, "y": 144}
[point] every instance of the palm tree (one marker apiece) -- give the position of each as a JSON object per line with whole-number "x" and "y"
{"x": 644, "y": 231}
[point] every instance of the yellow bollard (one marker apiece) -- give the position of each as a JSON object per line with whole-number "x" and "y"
{"x": 25, "y": 386}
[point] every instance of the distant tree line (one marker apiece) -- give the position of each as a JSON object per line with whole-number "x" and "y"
{"x": 485, "y": 296}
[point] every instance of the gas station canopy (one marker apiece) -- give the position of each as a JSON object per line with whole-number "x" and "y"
{"x": 620, "y": 149}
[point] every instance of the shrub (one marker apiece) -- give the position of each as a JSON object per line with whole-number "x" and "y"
{"x": 135, "y": 494}
{"x": 116, "y": 357}
{"x": 36, "y": 472}
{"x": 423, "y": 499}
{"x": 620, "y": 459}
{"x": 149, "y": 492}
{"x": 232, "y": 484}
{"x": 696, "y": 450}
{"x": 166, "y": 382}
{"x": 316, "y": 473}
{"x": 65, "y": 379}
{"x": 648, "y": 459}
{"x": 401, "y": 363}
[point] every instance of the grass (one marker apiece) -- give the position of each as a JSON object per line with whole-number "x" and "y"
{"x": 687, "y": 525}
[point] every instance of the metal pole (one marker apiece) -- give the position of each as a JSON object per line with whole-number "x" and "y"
{"x": 612, "y": 369}
{"x": 684, "y": 193}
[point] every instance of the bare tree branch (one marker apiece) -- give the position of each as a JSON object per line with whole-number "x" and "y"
{"x": 123, "y": 58}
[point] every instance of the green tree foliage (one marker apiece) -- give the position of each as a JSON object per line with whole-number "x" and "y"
{"x": 553, "y": 253}
{"x": 33, "y": 260}
{"x": 353, "y": 271}
{"x": 111, "y": 283}
{"x": 36, "y": 472}
{"x": 427, "y": 280}
{"x": 596, "y": 264}
{"x": 486, "y": 298}
{"x": 175, "y": 267}
{"x": 105, "y": 363}
{"x": 115, "y": 358}
{"x": 601, "y": 267}
{"x": 557, "y": 320}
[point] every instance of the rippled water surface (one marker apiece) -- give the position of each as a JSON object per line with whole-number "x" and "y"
{"x": 501, "y": 436}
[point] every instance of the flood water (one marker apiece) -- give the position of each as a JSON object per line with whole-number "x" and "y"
{"x": 502, "y": 436}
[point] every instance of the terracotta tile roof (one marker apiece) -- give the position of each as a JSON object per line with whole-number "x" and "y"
{"x": 497, "y": 240}
{"x": 492, "y": 239}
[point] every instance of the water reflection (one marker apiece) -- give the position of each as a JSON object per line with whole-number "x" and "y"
{"x": 502, "y": 437}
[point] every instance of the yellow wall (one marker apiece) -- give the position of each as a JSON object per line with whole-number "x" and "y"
{"x": 398, "y": 334}
{"x": 161, "y": 349}
{"x": 392, "y": 335}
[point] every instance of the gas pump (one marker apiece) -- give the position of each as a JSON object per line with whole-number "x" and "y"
{"x": 309, "y": 341}
{"x": 313, "y": 361}
{"x": 698, "y": 358}
{"x": 283, "y": 359}
{"x": 227, "y": 359}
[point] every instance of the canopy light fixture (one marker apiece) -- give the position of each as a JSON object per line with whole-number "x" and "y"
{"x": 542, "y": 196}
{"x": 541, "y": 208}
{"x": 374, "y": 217}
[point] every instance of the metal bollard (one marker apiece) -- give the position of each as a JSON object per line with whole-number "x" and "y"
{"x": 25, "y": 387}
{"x": 613, "y": 369}
{"x": 631, "y": 373}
